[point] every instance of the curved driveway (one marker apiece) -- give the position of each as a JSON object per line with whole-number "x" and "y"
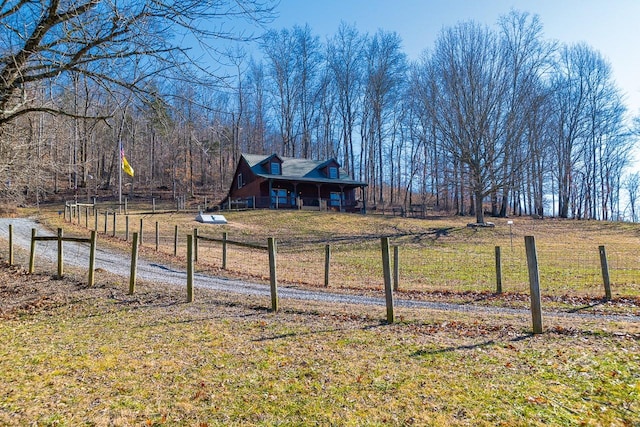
{"x": 77, "y": 254}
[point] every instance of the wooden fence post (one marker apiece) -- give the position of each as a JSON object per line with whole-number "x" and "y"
{"x": 60, "y": 254}
{"x": 386, "y": 269}
{"x": 86, "y": 217}
{"x": 225, "y": 236}
{"x": 175, "y": 242}
{"x": 32, "y": 252}
{"x": 498, "y": 270}
{"x": 157, "y": 236}
{"x": 10, "y": 244}
{"x": 106, "y": 221}
{"x": 195, "y": 245}
{"x": 189, "y": 268}
{"x": 92, "y": 259}
{"x": 327, "y": 264}
{"x": 126, "y": 228}
{"x": 141, "y": 234}
{"x": 95, "y": 227}
{"x": 153, "y": 205}
{"x": 604, "y": 264}
{"x": 396, "y": 268}
{"x": 134, "y": 264}
{"x": 114, "y": 224}
{"x": 534, "y": 283}
{"x": 272, "y": 247}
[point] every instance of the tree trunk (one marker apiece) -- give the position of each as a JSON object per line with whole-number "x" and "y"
{"x": 478, "y": 206}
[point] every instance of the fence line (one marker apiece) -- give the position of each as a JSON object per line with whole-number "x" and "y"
{"x": 423, "y": 267}
{"x": 391, "y": 283}
{"x": 59, "y": 238}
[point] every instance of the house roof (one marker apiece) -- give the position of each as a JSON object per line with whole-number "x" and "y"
{"x": 295, "y": 169}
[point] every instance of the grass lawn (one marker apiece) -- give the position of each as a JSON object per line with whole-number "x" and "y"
{"x": 73, "y": 355}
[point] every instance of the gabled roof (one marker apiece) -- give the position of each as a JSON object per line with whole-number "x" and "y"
{"x": 295, "y": 169}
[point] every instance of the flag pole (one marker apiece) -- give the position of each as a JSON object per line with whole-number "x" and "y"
{"x": 120, "y": 178}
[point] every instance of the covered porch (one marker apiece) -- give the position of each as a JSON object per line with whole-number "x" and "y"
{"x": 303, "y": 195}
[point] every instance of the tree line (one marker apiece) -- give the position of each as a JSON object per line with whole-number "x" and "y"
{"x": 494, "y": 120}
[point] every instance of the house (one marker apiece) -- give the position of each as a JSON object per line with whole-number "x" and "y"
{"x": 276, "y": 182}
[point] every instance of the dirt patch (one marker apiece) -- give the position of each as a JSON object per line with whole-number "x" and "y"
{"x": 23, "y": 294}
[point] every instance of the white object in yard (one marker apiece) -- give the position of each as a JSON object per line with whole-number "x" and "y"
{"x": 211, "y": 219}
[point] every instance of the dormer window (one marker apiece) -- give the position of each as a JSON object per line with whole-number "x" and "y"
{"x": 275, "y": 168}
{"x": 333, "y": 172}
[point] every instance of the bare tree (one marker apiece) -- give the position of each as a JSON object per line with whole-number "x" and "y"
{"x": 328, "y": 133}
{"x": 526, "y": 57}
{"x": 471, "y": 82}
{"x": 117, "y": 47}
{"x": 279, "y": 47}
{"x": 294, "y": 60}
{"x": 345, "y": 59}
{"x": 256, "y": 118}
{"x": 588, "y": 114}
{"x": 632, "y": 185}
{"x": 52, "y": 39}
{"x": 386, "y": 67}
{"x": 309, "y": 60}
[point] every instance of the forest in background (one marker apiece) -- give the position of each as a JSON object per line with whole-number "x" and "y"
{"x": 495, "y": 120}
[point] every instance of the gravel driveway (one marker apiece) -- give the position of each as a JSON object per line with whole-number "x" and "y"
{"x": 77, "y": 254}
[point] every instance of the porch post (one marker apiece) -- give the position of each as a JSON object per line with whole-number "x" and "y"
{"x": 270, "y": 193}
{"x": 319, "y": 197}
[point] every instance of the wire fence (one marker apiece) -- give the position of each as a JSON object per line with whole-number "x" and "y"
{"x": 464, "y": 267}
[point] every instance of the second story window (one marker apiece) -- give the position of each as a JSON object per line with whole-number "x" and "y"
{"x": 275, "y": 168}
{"x": 333, "y": 172}
{"x": 240, "y": 182}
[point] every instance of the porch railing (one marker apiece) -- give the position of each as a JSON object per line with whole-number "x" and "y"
{"x": 289, "y": 202}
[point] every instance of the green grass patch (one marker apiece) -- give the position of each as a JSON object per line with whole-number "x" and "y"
{"x": 99, "y": 357}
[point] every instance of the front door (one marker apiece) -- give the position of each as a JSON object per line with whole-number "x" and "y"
{"x": 279, "y": 198}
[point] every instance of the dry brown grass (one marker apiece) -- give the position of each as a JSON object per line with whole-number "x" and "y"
{"x": 440, "y": 258}
{"x": 7, "y": 210}
{"x": 74, "y": 355}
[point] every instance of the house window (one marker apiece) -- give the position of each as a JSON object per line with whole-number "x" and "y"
{"x": 335, "y": 200}
{"x": 275, "y": 168}
{"x": 240, "y": 182}
{"x": 333, "y": 172}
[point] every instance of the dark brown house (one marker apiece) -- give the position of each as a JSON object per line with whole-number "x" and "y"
{"x": 275, "y": 182}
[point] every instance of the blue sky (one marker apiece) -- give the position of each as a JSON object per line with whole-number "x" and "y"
{"x": 609, "y": 26}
